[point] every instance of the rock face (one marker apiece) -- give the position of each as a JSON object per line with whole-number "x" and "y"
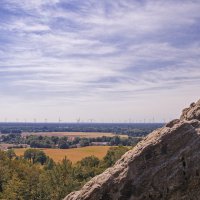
{"x": 165, "y": 165}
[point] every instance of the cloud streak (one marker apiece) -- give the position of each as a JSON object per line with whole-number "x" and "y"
{"x": 59, "y": 52}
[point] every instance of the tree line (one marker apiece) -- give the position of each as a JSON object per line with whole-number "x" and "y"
{"x": 131, "y": 129}
{"x": 66, "y": 142}
{"x": 36, "y": 176}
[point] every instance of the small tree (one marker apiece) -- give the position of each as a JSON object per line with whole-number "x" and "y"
{"x": 40, "y": 157}
{"x": 34, "y": 155}
{"x": 114, "y": 154}
{"x": 63, "y": 144}
{"x": 10, "y": 154}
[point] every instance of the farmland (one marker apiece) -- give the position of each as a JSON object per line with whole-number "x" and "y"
{"x": 73, "y": 134}
{"x": 75, "y": 154}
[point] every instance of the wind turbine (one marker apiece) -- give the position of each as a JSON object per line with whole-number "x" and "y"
{"x": 91, "y": 120}
{"x": 59, "y": 120}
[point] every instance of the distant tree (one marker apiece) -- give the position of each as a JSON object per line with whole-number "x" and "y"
{"x": 114, "y": 154}
{"x": 115, "y": 140}
{"x": 55, "y": 139}
{"x": 35, "y": 155}
{"x": 62, "y": 144}
{"x": 29, "y": 155}
{"x": 61, "y": 180}
{"x": 13, "y": 189}
{"x": 40, "y": 157}
{"x": 10, "y": 154}
{"x": 91, "y": 161}
{"x": 49, "y": 164}
{"x": 76, "y": 140}
{"x": 84, "y": 142}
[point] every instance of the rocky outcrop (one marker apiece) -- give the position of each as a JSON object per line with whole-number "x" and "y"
{"x": 165, "y": 165}
{"x": 193, "y": 112}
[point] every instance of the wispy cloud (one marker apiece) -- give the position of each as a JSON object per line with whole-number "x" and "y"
{"x": 58, "y": 52}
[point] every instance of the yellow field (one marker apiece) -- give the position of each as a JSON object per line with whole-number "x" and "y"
{"x": 74, "y": 155}
{"x": 73, "y": 134}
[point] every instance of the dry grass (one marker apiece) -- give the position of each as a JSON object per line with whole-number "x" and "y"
{"x": 74, "y": 155}
{"x": 73, "y": 134}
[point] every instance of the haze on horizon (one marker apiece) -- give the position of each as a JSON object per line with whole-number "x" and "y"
{"x": 103, "y": 60}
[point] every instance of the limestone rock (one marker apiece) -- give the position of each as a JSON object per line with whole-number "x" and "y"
{"x": 165, "y": 165}
{"x": 193, "y": 112}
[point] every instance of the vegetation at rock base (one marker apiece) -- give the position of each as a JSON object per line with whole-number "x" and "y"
{"x": 36, "y": 176}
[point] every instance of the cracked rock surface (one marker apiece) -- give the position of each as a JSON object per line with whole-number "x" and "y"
{"x": 164, "y": 165}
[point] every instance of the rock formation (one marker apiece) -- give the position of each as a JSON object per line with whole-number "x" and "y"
{"x": 165, "y": 165}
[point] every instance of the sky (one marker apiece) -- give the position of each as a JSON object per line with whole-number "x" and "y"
{"x": 100, "y": 60}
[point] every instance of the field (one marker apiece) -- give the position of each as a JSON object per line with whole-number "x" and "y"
{"x": 74, "y": 155}
{"x": 73, "y": 134}
{"x": 4, "y": 146}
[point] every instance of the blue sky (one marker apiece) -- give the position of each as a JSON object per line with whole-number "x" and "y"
{"x": 103, "y": 60}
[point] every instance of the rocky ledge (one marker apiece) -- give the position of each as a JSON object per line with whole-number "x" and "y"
{"x": 165, "y": 165}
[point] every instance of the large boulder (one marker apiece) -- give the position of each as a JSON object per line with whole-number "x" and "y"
{"x": 165, "y": 165}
